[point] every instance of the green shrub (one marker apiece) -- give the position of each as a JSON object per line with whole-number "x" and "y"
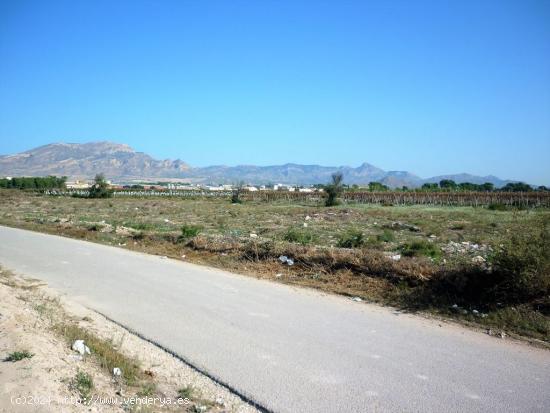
{"x": 497, "y": 207}
{"x": 386, "y": 236}
{"x": 522, "y": 265}
{"x": 84, "y": 383}
{"x": 299, "y": 236}
{"x": 186, "y": 392}
{"x": 351, "y": 239}
{"x": 189, "y": 231}
{"x": 418, "y": 248}
{"x": 19, "y": 355}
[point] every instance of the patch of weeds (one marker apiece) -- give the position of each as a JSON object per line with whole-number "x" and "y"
{"x": 84, "y": 384}
{"x": 148, "y": 389}
{"x": 419, "y": 248}
{"x": 19, "y": 355}
{"x": 103, "y": 350}
{"x": 351, "y": 239}
{"x": 189, "y": 231}
{"x": 186, "y": 392}
{"x": 497, "y": 207}
{"x": 299, "y": 236}
{"x": 521, "y": 319}
{"x": 386, "y": 236}
{"x": 458, "y": 227}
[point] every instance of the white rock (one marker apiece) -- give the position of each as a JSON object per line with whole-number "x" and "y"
{"x": 358, "y": 299}
{"x": 478, "y": 259}
{"x": 166, "y": 220}
{"x": 290, "y": 261}
{"x": 253, "y": 235}
{"x": 80, "y": 347}
{"x": 308, "y": 218}
{"x": 396, "y": 257}
{"x": 305, "y": 224}
{"x": 283, "y": 259}
{"x": 117, "y": 372}
{"x": 278, "y": 275}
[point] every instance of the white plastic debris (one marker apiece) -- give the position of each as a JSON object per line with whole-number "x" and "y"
{"x": 396, "y": 257}
{"x": 166, "y": 220}
{"x": 290, "y": 261}
{"x": 117, "y": 372}
{"x": 80, "y": 347}
{"x": 253, "y": 235}
{"x": 305, "y": 224}
{"x": 358, "y": 299}
{"x": 308, "y": 217}
{"x": 283, "y": 259}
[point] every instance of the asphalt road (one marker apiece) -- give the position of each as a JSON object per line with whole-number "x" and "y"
{"x": 289, "y": 349}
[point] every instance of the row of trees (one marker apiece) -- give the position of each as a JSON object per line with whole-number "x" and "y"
{"x": 46, "y": 182}
{"x": 449, "y": 185}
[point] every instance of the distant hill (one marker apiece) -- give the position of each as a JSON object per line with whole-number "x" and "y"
{"x": 120, "y": 162}
{"x": 85, "y": 160}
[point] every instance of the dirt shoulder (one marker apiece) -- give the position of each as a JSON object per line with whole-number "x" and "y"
{"x": 37, "y": 325}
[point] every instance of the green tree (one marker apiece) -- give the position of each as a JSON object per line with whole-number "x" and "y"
{"x": 517, "y": 187}
{"x": 100, "y": 188}
{"x": 334, "y": 189}
{"x": 447, "y": 184}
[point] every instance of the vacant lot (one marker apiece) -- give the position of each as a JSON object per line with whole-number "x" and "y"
{"x": 488, "y": 262}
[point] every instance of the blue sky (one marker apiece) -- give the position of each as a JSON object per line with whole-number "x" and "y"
{"x": 427, "y": 86}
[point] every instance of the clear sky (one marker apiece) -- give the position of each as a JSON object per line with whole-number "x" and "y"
{"x": 427, "y": 86}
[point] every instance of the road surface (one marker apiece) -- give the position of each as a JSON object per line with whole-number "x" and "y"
{"x": 289, "y": 349}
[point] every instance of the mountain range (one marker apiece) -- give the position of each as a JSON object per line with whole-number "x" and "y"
{"x": 121, "y": 163}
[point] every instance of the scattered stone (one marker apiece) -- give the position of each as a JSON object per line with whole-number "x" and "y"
{"x": 76, "y": 357}
{"x": 253, "y": 235}
{"x": 464, "y": 311}
{"x": 117, "y": 372}
{"x": 475, "y": 312}
{"x": 308, "y": 217}
{"x": 502, "y": 334}
{"x": 432, "y": 236}
{"x": 125, "y": 231}
{"x": 402, "y": 225}
{"x": 396, "y": 257}
{"x": 358, "y": 299}
{"x": 166, "y": 220}
{"x": 290, "y": 261}
{"x": 478, "y": 259}
{"x": 220, "y": 401}
{"x": 80, "y": 347}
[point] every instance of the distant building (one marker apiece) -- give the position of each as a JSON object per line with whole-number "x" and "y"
{"x": 77, "y": 185}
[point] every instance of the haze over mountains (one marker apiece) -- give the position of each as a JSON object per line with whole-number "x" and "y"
{"x": 120, "y": 162}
